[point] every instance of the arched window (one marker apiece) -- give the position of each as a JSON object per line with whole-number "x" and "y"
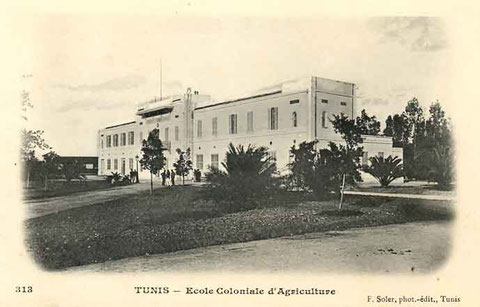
{"x": 294, "y": 119}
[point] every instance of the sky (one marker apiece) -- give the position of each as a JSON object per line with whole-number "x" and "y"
{"x": 89, "y": 71}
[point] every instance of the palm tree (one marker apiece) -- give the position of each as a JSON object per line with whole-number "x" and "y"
{"x": 385, "y": 170}
{"x": 248, "y": 178}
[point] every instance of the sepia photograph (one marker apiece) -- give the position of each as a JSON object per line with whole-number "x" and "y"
{"x": 181, "y": 144}
{"x": 202, "y": 149}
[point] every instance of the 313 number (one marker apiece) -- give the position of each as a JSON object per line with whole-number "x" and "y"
{"x": 23, "y": 289}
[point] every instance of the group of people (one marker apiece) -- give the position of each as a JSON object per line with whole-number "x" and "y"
{"x": 168, "y": 177}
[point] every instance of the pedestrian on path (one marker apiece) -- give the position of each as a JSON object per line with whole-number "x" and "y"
{"x": 164, "y": 177}
{"x": 173, "y": 176}
{"x": 168, "y": 176}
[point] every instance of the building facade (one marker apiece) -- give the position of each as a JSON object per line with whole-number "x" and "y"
{"x": 276, "y": 117}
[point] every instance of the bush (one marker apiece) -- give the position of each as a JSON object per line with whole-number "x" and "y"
{"x": 117, "y": 179}
{"x": 322, "y": 171}
{"x": 73, "y": 170}
{"x": 441, "y": 166}
{"x": 248, "y": 179}
{"x": 197, "y": 174}
{"x": 385, "y": 170}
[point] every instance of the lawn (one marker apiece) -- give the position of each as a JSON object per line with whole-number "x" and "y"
{"x": 62, "y": 188}
{"x": 179, "y": 218}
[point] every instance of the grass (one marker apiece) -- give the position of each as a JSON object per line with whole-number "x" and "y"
{"x": 179, "y": 218}
{"x": 62, "y": 188}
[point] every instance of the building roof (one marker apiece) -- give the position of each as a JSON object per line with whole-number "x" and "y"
{"x": 289, "y": 86}
{"x": 119, "y": 125}
{"x": 238, "y": 99}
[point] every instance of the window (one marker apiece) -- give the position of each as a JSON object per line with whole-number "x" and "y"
{"x": 294, "y": 119}
{"x": 115, "y": 164}
{"x": 214, "y": 126}
{"x": 102, "y": 165}
{"x": 273, "y": 155}
{"x": 365, "y": 158}
{"x": 250, "y": 121}
{"x": 233, "y": 123}
{"x": 214, "y": 159}
{"x": 101, "y": 143}
{"x": 324, "y": 101}
{"x": 380, "y": 154}
{"x": 130, "y": 163}
{"x": 294, "y": 101}
{"x": 140, "y": 138}
{"x": 167, "y": 134}
{"x": 177, "y": 133}
{"x": 123, "y": 139}
{"x": 343, "y": 103}
{"x": 199, "y": 162}
{"x": 115, "y": 140}
{"x": 123, "y": 166}
{"x": 131, "y": 138}
{"x": 324, "y": 119}
{"x": 109, "y": 141}
{"x": 273, "y": 118}
{"x": 199, "y": 128}
{"x": 109, "y": 164}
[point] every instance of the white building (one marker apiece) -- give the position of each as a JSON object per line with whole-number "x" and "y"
{"x": 276, "y": 117}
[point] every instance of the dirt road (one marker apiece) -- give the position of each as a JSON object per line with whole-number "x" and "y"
{"x": 404, "y": 248}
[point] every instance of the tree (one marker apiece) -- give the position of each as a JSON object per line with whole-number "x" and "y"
{"x": 153, "y": 158}
{"x": 345, "y": 160}
{"x": 73, "y": 170}
{"x": 333, "y": 163}
{"x": 441, "y": 166}
{"x": 367, "y": 125}
{"x": 423, "y": 140}
{"x": 438, "y": 126}
{"x": 322, "y": 171}
{"x": 48, "y": 166}
{"x": 414, "y": 118}
{"x": 247, "y": 180}
{"x": 184, "y": 164}
{"x": 385, "y": 170}
{"x": 302, "y": 165}
{"x": 31, "y": 140}
{"x": 348, "y": 129}
{"x": 398, "y": 129}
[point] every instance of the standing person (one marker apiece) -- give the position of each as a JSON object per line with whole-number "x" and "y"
{"x": 168, "y": 176}
{"x": 173, "y": 176}
{"x": 164, "y": 177}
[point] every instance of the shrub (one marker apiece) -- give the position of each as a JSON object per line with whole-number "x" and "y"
{"x": 385, "y": 170}
{"x": 302, "y": 166}
{"x": 322, "y": 171}
{"x": 441, "y": 166}
{"x": 248, "y": 179}
{"x": 73, "y": 170}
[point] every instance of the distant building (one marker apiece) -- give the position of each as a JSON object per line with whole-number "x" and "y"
{"x": 276, "y": 117}
{"x": 89, "y": 164}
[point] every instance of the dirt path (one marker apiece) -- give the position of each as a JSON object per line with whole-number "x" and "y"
{"x": 404, "y": 248}
{"x": 40, "y": 207}
{"x": 402, "y": 195}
